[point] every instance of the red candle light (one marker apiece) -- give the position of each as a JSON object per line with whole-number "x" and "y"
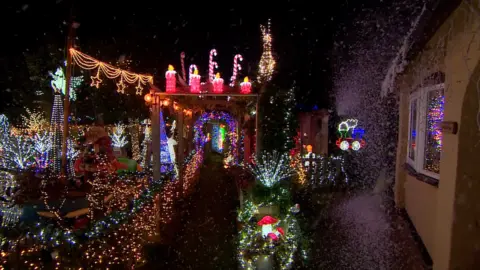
{"x": 218, "y": 84}
{"x": 171, "y": 79}
{"x": 245, "y": 86}
{"x": 195, "y": 82}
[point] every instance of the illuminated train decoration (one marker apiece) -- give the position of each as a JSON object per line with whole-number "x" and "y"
{"x": 351, "y": 137}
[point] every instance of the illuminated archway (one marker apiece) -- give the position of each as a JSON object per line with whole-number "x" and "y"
{"x": 200, "y": 137}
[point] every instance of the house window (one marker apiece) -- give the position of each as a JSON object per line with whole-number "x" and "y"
{"x": 425, "y": 134}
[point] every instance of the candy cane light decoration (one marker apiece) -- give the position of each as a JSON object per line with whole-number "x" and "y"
{"x": 182, "y": 62}
{"x": 236, "y": 68}
{"x": 212, "y": 65}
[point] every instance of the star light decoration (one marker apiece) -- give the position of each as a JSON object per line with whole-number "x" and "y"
{"x": 126, "y": 77}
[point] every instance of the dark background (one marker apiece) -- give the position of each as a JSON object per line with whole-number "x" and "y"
{"x": 153, "y": 33}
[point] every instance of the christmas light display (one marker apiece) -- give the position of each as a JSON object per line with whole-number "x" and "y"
{"x": 348, "y": 137}
{"x": 166, "y": 162}
{"x": 72, "y": 154}
{"x": 271, "y": 168}
{"x": 289, "y": 102}
{"x": 245, "y": 86}
{"x": 134, "y": 132}
{"x": 56, "y": 129}
{"x": 236, "y": 67}
{"x": 218, "y": 137}
{"x": 4, "y": 125}
{"x": 10, "y": 213}
{"x": 89, "y": 63}
{"x": 119, "y": 138}
{"x": 192, "y": 170}
{"x": 212, "y": 65}
{"x": 34, "y": 121}
{"x": 323, "y": 170}
{"x": 267, "y": 63}
{"x": 297, "y": 165}
{"x": 145, "y": 146}
{"x": 114, "y": 240}
{"x": 18, "y": 152}
{"x": 200, "y": 137}
{"x": 182, "y": 61}
{"x": 194, "y": 80}
{"x": 171, "y": 80}
{"x": 58, "y": 83}
{"x": 434, "y": 134}
{"x": 42, "y": 144}
{"x": 171, "y": 142}
{"x": 273, "y": 238}
{"x": 217, "y": 84}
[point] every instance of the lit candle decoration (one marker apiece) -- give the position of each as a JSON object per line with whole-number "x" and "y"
{"x": 236, "y": 68}
{"x": 171, "y": 79}
{"x": 245, "y": 86}
{"x": 194, "y": 80}
{"x": 218, "y": 84}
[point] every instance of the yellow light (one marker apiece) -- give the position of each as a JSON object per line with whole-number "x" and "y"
{"x": 195, "y": 71}
{"x": 166, "y": 102}
{"x": 111, "y": 72}
{"x": 245, "y": 80}
{"x": 170, "y": 68}
{"x": 217, "y": 75}
{"x": 148, "y": 98}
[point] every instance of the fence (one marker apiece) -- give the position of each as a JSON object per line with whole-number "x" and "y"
{"x": 325, "y": 170}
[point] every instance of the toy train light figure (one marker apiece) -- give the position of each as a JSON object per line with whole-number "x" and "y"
{"x": 351, "y": 137}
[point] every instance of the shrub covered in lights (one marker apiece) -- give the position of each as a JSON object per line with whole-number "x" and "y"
{"x": 268, "y": 226}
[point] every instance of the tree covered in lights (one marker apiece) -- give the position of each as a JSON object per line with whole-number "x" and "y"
{"x": 34, "y": 121}
{"x": 279, "y": 119}
{"x": 119, "y": 138}
{"x": 42, "y": 144}
{"x": 17, "y": 152}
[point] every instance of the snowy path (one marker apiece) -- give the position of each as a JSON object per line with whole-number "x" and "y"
{"x": 364, "y": 232}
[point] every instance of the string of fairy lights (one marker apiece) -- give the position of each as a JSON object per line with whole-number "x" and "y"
{"x": 106, "y": 70}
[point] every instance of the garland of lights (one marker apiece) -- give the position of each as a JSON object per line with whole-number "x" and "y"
{"x": 89, "y": 63}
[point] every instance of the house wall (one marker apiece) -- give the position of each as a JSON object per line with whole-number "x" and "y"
{"x": 420, "y": 199}
{"x": 447, "y": 217}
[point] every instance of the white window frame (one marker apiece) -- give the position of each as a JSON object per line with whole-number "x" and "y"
{"x": 420, "y": 96}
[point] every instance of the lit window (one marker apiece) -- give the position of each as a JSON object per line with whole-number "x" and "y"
{"x": 425, "y": 134}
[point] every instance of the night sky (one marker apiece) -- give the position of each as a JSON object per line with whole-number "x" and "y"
{"x": 153, "y": 34}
